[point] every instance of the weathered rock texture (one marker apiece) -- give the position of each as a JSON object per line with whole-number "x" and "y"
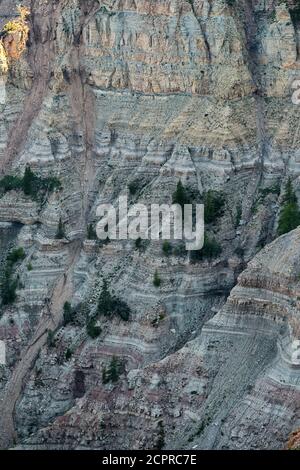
{"x": 111, "y": 93}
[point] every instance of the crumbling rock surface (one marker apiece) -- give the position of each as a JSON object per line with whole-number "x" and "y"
{"x": 110, "y": 93}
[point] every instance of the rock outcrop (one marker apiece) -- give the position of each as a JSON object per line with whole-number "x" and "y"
{"x": 128, "y": 97}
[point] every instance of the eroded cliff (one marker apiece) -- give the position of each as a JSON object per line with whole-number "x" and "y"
{"x": 129, "y": 97}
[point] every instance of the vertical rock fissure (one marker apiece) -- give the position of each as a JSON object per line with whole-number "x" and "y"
{"x": 202, "y": 29}
{"x": 251, "y": 32}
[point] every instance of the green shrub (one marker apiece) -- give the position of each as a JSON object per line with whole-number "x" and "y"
{"x": 109, "y": 305}
{"x": 295, "y": 14}
{"x": 138, "y": 243}
{"x": 9, "y": 285}
{"x": 28, "y": 181}
{"x": 160, "y": 443}
{"x": 92, "y": 330}
{"x": 69, "y": 354}
{"x": 8, "y": 288}
{"x": 113, "y": 372}
{"x": 31, "y": 184}
{"x": 29, "y": 267}
{"x": 68, "y": 313}
{"x": 180, "y": 196}
{"x": 213, "y": 206}
{"x": 141, "y": 245}
{"x": 274, "y": 189}
{"x": 167, "y": 248}
{"x": 156, "y": 279}
{"x": 121, "y": 309}
{"x": 211, "y": 249}
{"x": 238, "y": 215}
{"x": 134, "y": 187}
{"x": 91, "y": 232}
{"x": 180, "y": 249}
{"x": 10, "y": 183}
{"x": 18, "y": 254}
{"x": 51, "y": 339}
{"x": 289, "y": 217}
{"x": 60, "y": 234}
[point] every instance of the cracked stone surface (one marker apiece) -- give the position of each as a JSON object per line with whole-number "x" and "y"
{"x": 111, "y": 93}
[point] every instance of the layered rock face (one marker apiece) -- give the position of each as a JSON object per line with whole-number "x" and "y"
{"x": 128, "y": 97}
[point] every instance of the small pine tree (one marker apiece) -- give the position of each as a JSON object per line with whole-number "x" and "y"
{"x": 51, "y": 339}
{"x": 138, "y": 243}
{"x": 105, "y": 303}
{"x": 28, "y": 181}
{"x": 211, "y": 249}
{"x": 68, "y": 313}
{"x": 8, "y": 288}
{"x": 213, "y": 206}
{"x": 68, "y": 354}
{"x": 60, "y": 234}
{"x": 289, "y": 217}
{"x": 161, "y": 436}
{"x": 156, "y": 279}
{"x": 114, "y": 369}
{"x": 113, "y": 372}
{"x": 91, "y": 232}
{"x": 180, "y": 196}
{"x": 167, "y": 248}
{"x": 92, "y": 330}
{"x": 289, "y": 194}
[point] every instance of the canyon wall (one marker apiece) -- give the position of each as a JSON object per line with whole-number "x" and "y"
{"x": 127, "y": 97}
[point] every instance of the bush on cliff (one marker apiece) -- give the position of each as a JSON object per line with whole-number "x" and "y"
{"x": 92, "y": 329}
{"x": 113, "y": 371}
{"x": 9, "y": 283}
{"x": 31, "y": 184}
{"x": 60, "y": 234}
{"x": 213, "y": 206}
{"x": 211, "y": 249}
{"x": 109, "y": 305}
{"x": 289, "y": 217}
